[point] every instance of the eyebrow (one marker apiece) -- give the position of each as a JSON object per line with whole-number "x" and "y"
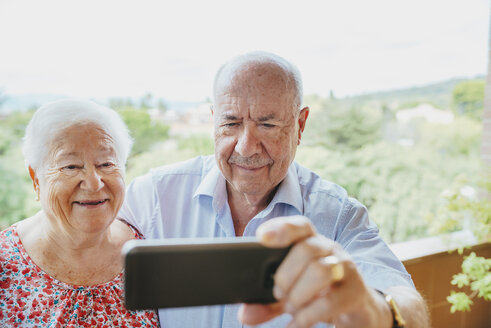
{"x": 260, "y": 119}
{"x": 266, "y": 118}
{"x": 230, "y": 117}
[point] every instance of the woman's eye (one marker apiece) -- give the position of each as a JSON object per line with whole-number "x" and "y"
{"x": 107, "y": 164}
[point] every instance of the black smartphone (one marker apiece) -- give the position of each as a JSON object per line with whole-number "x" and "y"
{"x": 164, "y": 273}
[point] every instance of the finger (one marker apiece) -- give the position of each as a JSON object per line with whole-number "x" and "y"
{"x": 320, "y": 274}
{"x": 297, "y": 261}
{"x": 317, "y": 311}
{"x": 334, "y": 302}
{"x": 254, "y": 314}
{"x": 284, "y": 231}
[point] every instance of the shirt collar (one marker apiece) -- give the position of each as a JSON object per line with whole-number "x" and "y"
{"x": 210, "y": 183}
{"x": 288, "y": 192}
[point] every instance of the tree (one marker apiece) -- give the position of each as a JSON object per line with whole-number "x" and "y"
{"x": 146, "y": 101}
{"x": 13, "y": 195}
{"x": 144, "y": 130}
{"x": 339, "y": 127}
{"x": 468, "y": 98}
{"x": 16, "y": 194}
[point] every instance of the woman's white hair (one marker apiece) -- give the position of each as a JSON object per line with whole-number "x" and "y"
{"x": 56, "y": 116}
{"x": 228, "y": 70}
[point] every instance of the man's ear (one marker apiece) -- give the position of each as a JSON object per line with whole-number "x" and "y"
{"x": 35, "y": 180}
{"x": 302, "y": 120}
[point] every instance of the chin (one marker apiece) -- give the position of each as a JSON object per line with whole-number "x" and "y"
{"x": 251, "y": 189}
{"x": 96, "y": 224}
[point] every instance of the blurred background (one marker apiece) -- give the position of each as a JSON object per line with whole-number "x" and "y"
{"x": 396, "y": 89}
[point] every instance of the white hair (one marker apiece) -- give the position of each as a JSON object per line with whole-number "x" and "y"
{"x": 56, "y": 116}
{"x": 292, "y": 74}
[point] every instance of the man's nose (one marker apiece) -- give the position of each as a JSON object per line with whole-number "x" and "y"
{"x": 92, "y": 180}
{"x": 248, "y": 143}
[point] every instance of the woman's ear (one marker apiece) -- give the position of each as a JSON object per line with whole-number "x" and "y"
{"x": 35, "y": 181}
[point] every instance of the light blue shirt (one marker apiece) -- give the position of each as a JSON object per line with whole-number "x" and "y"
{"x": 189, "y": 199}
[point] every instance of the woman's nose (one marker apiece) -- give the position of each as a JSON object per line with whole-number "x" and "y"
{"x": 92, "y": 180}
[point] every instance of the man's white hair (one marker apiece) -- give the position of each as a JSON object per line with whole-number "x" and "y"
{"x": 50, "y": 119}
{"x": 230, "y": 68}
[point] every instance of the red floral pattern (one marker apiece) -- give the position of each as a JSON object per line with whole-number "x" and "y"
{"x": 29, "y": 297}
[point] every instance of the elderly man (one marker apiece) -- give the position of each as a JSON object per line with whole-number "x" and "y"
{"x": 339, "y": 270}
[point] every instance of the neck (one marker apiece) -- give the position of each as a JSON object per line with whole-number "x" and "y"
{"x": 69, "y": 240}
{"x": 76, "y": 258}
{"x": 244, "y": 207}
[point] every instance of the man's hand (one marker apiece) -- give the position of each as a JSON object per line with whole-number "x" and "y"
{"x": 319, "y": 282}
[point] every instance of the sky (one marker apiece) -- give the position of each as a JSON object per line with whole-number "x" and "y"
{"x": 172, "y": 49}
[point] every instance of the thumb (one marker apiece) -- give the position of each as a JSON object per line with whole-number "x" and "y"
{"x": 284, "y": 231}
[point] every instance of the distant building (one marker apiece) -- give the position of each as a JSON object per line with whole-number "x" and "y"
{"x": 193, "y": 120}
{"x": 426, "y": 112}
{"x": 406, "y": 128}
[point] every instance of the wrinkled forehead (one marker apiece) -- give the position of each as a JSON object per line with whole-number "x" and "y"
{"x": 265, "y": 82}
{"x": 82, "y": 133}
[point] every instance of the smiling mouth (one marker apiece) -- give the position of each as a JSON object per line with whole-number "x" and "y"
{"x": 94, "y": 202}
{"x": 249, "y": 168}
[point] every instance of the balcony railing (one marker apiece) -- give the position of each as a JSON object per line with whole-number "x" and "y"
{"x": 432, "y": 266}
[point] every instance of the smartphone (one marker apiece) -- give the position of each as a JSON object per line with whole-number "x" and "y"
{"x": 165, "y": 273}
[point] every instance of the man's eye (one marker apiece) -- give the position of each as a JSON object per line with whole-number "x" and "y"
{"x": 70, "y": 167}
{"x": 267, "y": 125}
{"x": 231, "y": 124}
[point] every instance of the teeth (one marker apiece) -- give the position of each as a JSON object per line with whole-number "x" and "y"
{"x": 92, "y": 203}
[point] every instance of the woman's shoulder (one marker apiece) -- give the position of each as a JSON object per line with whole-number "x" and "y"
{"x": 12, "y": 255}
{"x": 8, "y": 239}
{"x": 126, "y": 231}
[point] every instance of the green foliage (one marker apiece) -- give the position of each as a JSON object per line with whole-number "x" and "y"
{"x": 12, "y": 130}
{"x": 461, "y": 280}
{"x": 144, "y": 130}
{"x": 460, "y": 302}
{"x": 476, "y": 274}
{"x": 198, "y": 144}
{"x": 398, "y": 184}
{"x": 462, "y": 138}
{"x": 352, "y": 146}
{"x": 336, "y": 126}
{"x": 468, "y": 98}
{"x": 11, "y": 198}
{"x": 462, "y": 207}
{"x": 168, "y": 152}
{"x": 16, "y": 194}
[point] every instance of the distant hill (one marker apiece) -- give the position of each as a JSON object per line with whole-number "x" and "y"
{"x": 438, "y": 94}
{"x": 23, "y": 102}
{"x": 11, "y": 103}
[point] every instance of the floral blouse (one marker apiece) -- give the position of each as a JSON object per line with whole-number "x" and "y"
{"x": 29, "y": 297}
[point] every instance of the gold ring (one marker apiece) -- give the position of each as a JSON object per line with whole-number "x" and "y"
{"x": 337, "y": 269}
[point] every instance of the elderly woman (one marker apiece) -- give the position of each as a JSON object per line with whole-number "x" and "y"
{"x": 62, "y": 266}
